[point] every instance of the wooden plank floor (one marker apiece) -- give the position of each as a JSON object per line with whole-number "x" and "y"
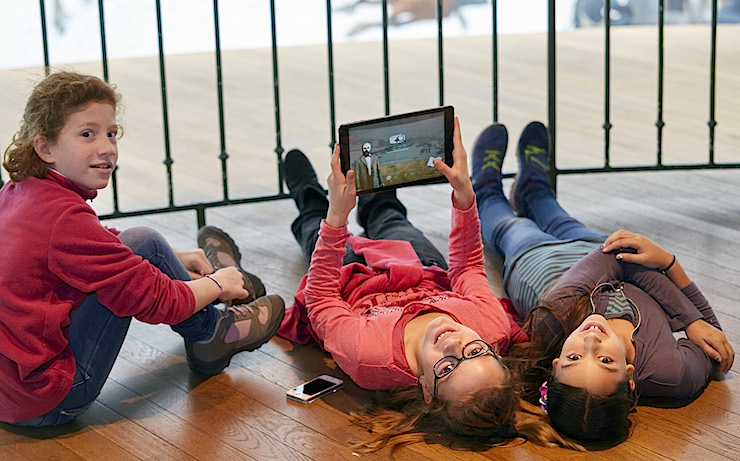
{"x": 152, "y": 407}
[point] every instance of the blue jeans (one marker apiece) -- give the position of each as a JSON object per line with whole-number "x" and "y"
{"x": 545, "y": 221}
{"x": 96, "y": 334}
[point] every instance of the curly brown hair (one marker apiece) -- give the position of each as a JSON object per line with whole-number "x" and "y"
{"x": 51, "y": 102}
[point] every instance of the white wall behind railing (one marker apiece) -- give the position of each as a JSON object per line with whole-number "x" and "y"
{"x": 131, "y": 30}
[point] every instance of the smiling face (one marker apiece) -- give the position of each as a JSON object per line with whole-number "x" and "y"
{"x": 593, "y": 358}
{"x": 445, "y": 337}
{"x": 86, "y": 149}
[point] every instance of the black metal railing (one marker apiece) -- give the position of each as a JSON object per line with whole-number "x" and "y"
{"x": 659, "y": 123}
{"x": 200, "y": 208}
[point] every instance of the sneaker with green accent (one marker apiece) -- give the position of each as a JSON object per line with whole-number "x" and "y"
{"x": 488, "y": 156}
{"x": 534, "y": 165}
{"x": 221, "y": 252}
{"x": 238, "y": 328}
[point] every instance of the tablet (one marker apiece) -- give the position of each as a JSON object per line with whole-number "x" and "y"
{"x": 397, "y": 150}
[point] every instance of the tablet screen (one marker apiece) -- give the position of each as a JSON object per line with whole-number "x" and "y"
{"x": 398, "y": 150}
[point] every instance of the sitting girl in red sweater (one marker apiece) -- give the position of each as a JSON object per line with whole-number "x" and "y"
{"x": 394, "y": 317}
{"x": 69, "y": 286}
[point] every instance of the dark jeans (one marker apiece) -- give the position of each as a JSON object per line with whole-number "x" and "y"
{"x": 382, "y": 216}
{"x": 96, "y": 334}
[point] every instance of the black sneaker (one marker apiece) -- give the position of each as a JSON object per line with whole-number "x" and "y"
{"x": 221, "y": 252}
{"x": 534, "y": 164}
{"x": 488, "y": 156}
{"x": 239, "y": 328}
{"x": 301, "y": 179}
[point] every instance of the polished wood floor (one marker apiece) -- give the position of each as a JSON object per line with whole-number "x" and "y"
{"x": 152, "y": 407}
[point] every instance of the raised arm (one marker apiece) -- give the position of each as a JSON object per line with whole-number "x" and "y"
{"x": 323, "y": 300}
{"x": 457, "y": 175}
{"x": 465, "y": 244}
{"x": 330, "y": 316}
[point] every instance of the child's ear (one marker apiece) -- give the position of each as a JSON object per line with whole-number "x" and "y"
{"x": 428, "y": 393}
{"x": 41, "y": 145}
{"x": 631, "y": 376}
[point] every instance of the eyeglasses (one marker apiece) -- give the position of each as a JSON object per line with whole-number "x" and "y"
{"x": 446, "y": 365}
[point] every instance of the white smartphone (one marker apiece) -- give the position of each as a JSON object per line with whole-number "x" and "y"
{"x": 315, "y": 389}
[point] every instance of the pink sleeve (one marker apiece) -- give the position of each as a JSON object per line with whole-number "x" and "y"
{"x": 467, "y": 271}
{"x": 330, "y": 316}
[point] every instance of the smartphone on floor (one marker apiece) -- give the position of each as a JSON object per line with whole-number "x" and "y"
{"x": 315, "y": 389}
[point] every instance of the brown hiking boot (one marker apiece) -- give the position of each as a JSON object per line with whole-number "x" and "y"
{"x": 239, "y": 328}
{"x": 221, "y": 252}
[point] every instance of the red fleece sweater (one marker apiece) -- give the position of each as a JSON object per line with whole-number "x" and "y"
{"x": 54, "y": 253}
{"x": 358, "y": 313}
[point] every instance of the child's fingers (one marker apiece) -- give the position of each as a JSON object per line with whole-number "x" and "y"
{"x": 617, "y": 235}
{"x": 442, "y": 167}
{"x": 351, "y": 185}
{"x": 456, "y": 135}
{"x": 335, "y": 164}
{"x": 715, "y": 353}
{"x": 635, "y": 258}
{"x": 458, "y": 150}
{"x": 731, "y": 358}
{"x": 725, "y": 354}
{"x": 454, "y": 177}
{"x": 336, "y": 177}
{"x": 620, "y": 242}
{"x": 609, "y": 245}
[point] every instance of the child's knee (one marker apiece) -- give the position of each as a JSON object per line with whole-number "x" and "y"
{"x": 143, "y": 241}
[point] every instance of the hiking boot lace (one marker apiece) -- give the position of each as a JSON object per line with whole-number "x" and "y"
{"x": 242, "y": 312}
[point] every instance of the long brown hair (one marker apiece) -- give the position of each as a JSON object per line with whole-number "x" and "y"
{"x": 401, "y": 417}
{"x": 51, "y": 102}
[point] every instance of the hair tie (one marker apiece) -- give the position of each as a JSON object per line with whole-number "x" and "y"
{"x": 543, "y": 397}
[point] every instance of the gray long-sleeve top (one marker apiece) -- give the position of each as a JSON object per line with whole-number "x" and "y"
{"x": 664, "y": 366}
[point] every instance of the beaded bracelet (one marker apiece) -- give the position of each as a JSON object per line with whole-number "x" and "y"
{"x": 219, "y": 285}
{"x": 670, "y": 265}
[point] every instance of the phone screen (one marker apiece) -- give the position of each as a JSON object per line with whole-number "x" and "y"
{"x": 314, "y": 386}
